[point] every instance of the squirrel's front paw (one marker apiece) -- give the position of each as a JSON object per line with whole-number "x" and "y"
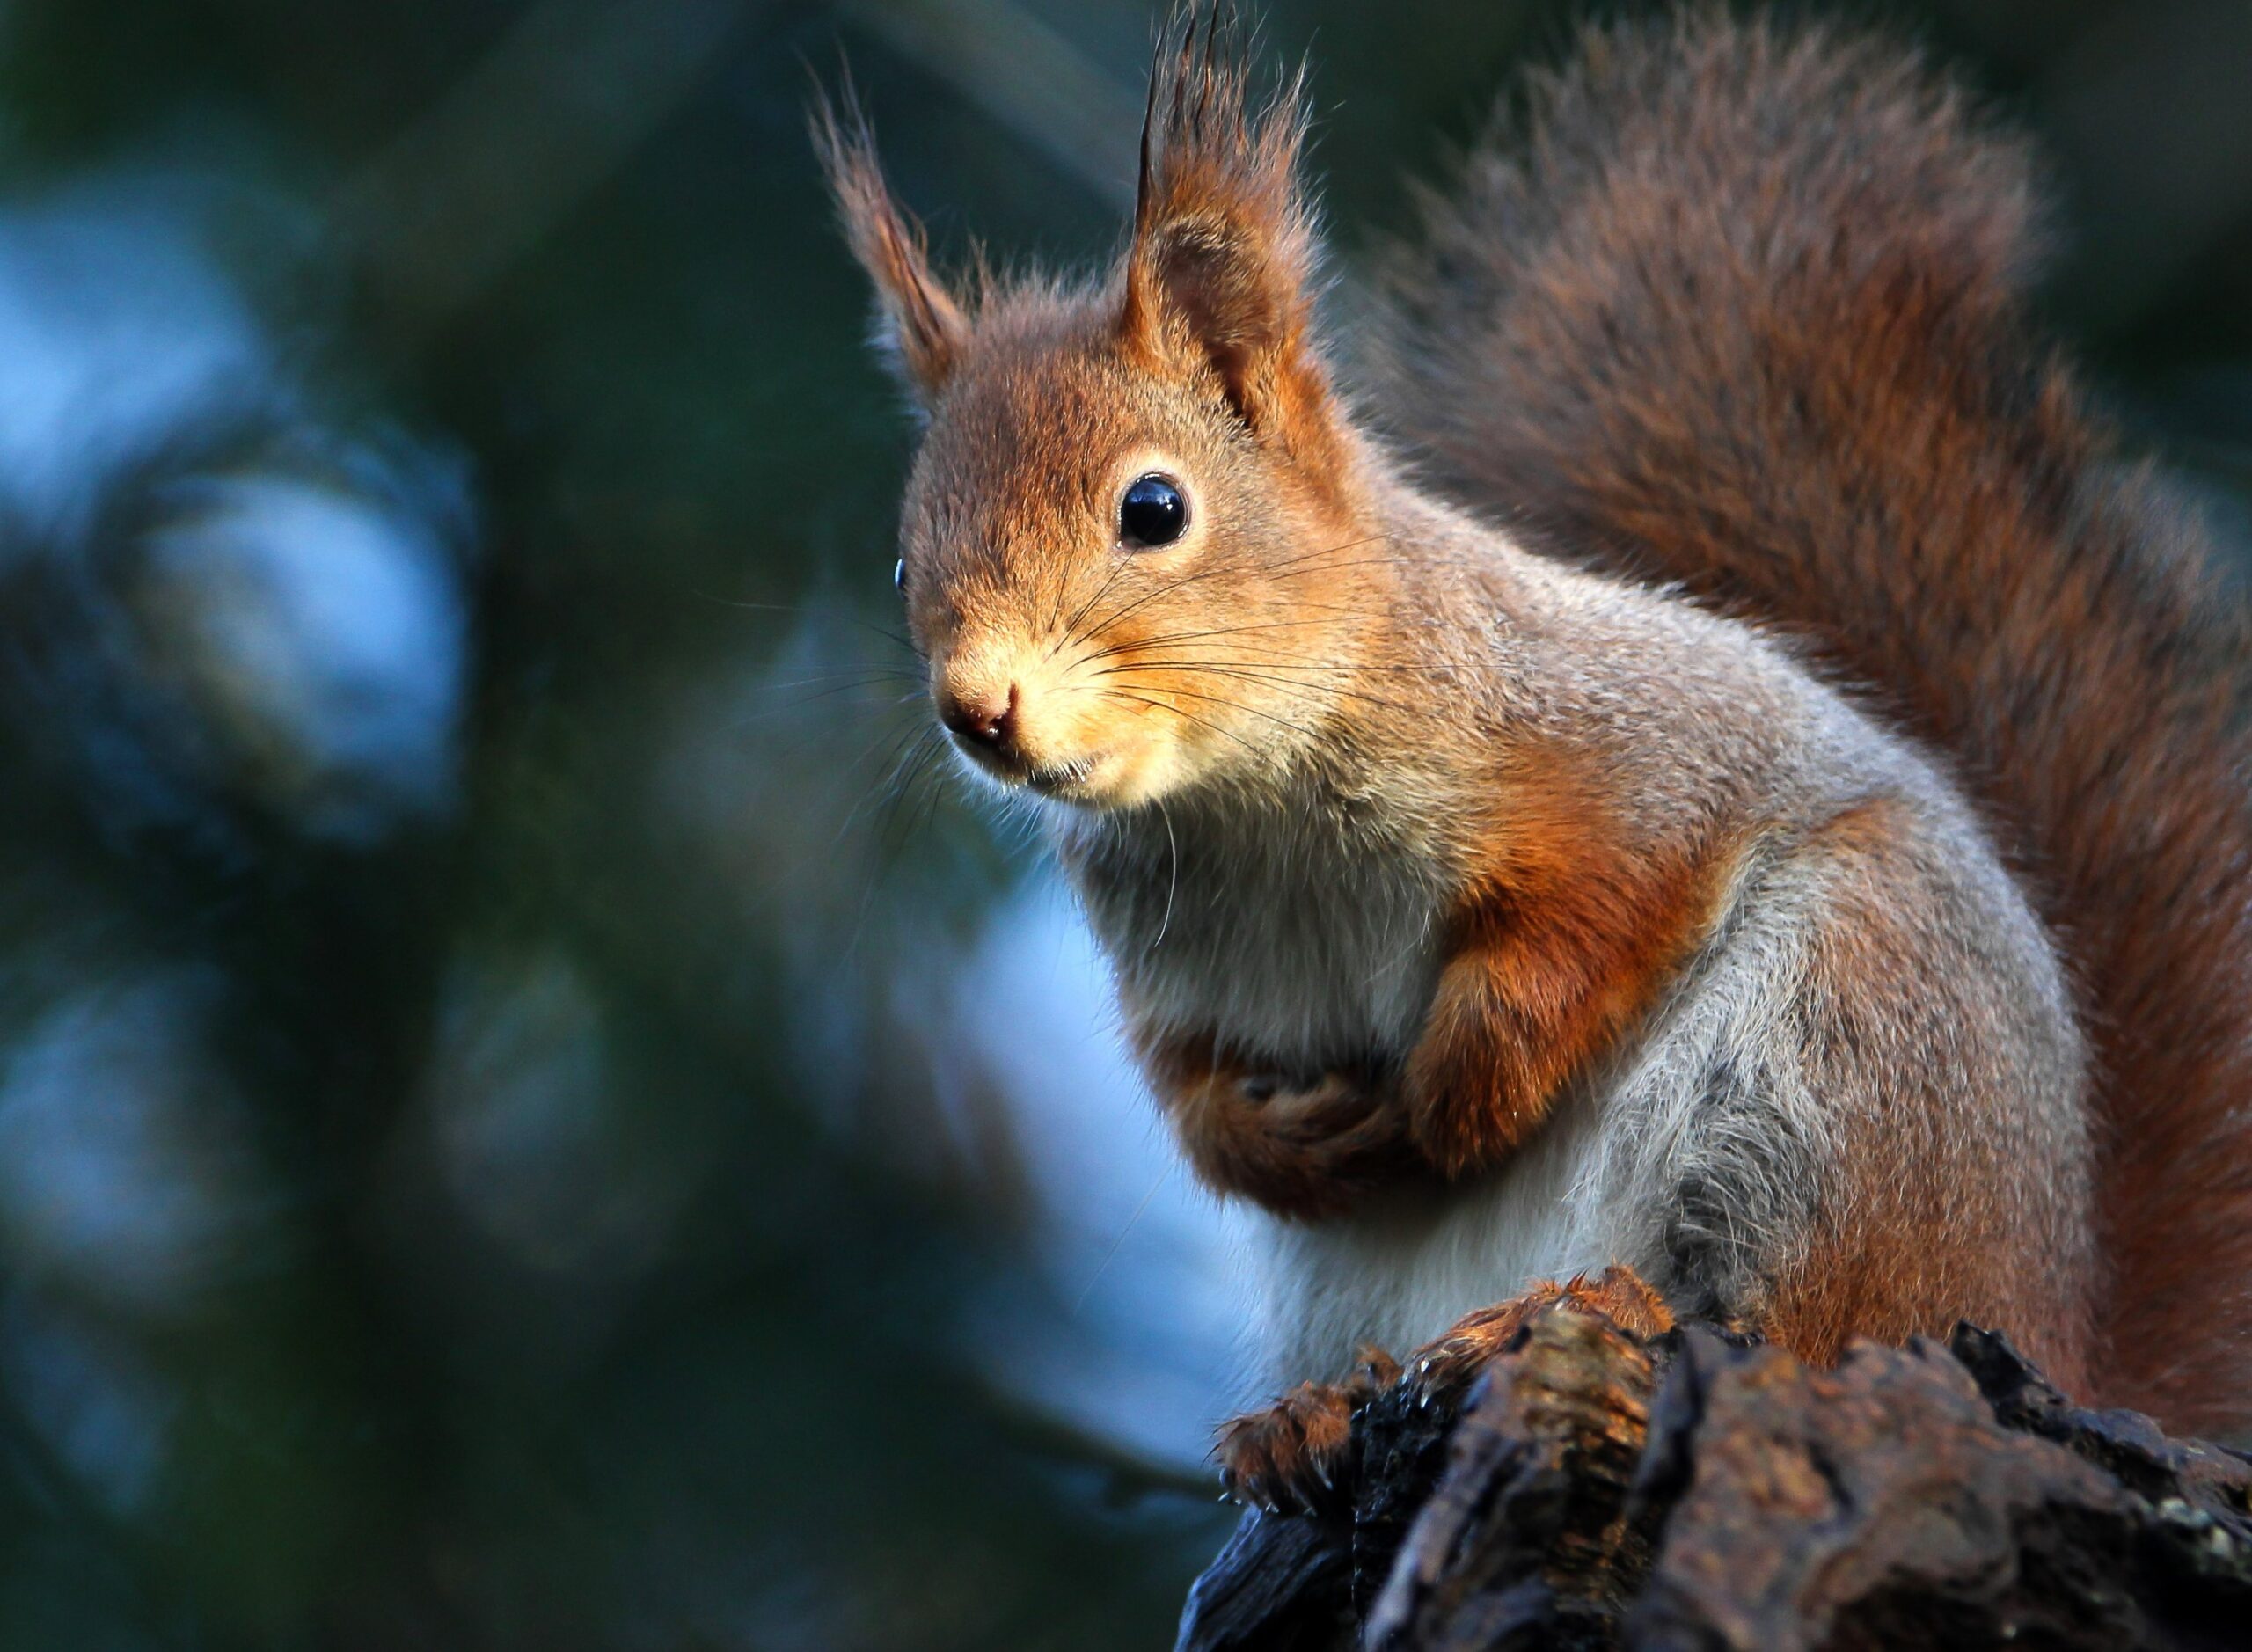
{"x": 1296, "y": 1456}
{"x": 1300, "y": 1150}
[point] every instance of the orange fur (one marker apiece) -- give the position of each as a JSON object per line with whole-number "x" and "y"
{"x": 1220, "y": 270}
{"x": 1540, "y": 791}
{"x": 1818, "y": 399}
{"x": 1308, "y": 1153}
{"x": 924, "y": 324}
{"x": 1567, "y": 937}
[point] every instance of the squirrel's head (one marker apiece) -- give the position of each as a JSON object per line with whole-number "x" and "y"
{"x": 1132, "y": 551}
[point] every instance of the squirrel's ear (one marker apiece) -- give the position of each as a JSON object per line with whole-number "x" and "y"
{"x": 1221, "y": 271}
{"x": 924, "y": 327}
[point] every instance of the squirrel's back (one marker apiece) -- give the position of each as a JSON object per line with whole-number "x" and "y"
{"x": 1744, "y": 308}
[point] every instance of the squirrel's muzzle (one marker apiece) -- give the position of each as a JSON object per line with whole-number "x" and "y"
{"x": 986, "y": 717}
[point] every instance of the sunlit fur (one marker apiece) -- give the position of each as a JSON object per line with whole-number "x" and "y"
{"x": 1479, "y": 917}
{"x": 1749, "y": 308}
{"x": 1138, "y": 672}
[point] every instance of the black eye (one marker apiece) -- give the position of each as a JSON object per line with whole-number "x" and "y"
{"x": 1154, "y": 512}
{"x": 899, "y": 574}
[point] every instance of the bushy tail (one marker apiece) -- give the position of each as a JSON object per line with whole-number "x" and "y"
{"x": 1743, "y": 307}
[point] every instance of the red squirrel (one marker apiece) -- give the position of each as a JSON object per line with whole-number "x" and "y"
{"x": 1750, "y": 821}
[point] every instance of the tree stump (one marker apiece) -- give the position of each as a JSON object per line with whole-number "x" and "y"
{"x": 1700, "y": 1491}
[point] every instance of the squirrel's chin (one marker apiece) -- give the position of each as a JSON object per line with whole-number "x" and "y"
{"x": 1107, "y": 780}
{"x": 1131, "y": 774}
{"x": 1103, "y": 781}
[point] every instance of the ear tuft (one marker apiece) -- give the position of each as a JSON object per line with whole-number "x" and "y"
{"x": 924, "y": 327}
{"x": 1222, "y": 268}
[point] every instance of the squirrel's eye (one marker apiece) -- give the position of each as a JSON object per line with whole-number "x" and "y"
{"x": 899, "y": 574}
{"x": 1154, "y": 512}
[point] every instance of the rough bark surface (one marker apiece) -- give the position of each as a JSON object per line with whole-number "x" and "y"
{"x": 1596, "y": 1489}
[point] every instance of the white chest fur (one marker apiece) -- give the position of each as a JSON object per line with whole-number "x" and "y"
{"x": 1308, "y": 939}
{"x": 1313, "y": 942}
{"x": 1398, "y": 1272}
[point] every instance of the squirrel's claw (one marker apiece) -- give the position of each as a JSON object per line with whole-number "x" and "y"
{"x": 1291, "y": 1457}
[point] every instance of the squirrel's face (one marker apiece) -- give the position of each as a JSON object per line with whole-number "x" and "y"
{"x": 1119, "y": 587}
{"x": 1129, "y": 550}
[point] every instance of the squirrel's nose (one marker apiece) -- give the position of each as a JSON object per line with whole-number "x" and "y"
{"x": 988, "y": 718}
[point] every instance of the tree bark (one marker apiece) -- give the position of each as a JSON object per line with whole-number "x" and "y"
{"x": 1700, "y": 1491}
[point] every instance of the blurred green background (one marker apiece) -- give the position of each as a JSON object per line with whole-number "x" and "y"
{"x": 534, "y": 1111}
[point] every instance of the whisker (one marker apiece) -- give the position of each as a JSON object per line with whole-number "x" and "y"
{"x": 1119, "y": 565}
{"x": 1195, "y": 636}
{"x": 1148, "y": 597}
{"x": 1175, "y": 711}
{"x": 1304, "y": 565}
{"x": 913, "y": 769}
{"x": 751, "y": 718}
{"x": 797, "y": 611}
{"x": 1111, "y": 1255}
{"x": 1254, "y": 711}
{"x": 903, "y": 751}
{"x": 1254, "y": 676}
{"x": 1172, "y": 874}
{"x": 1282, "y": 663}
{"x": 889, "y": 839}
{"x": 874, "y": 673}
